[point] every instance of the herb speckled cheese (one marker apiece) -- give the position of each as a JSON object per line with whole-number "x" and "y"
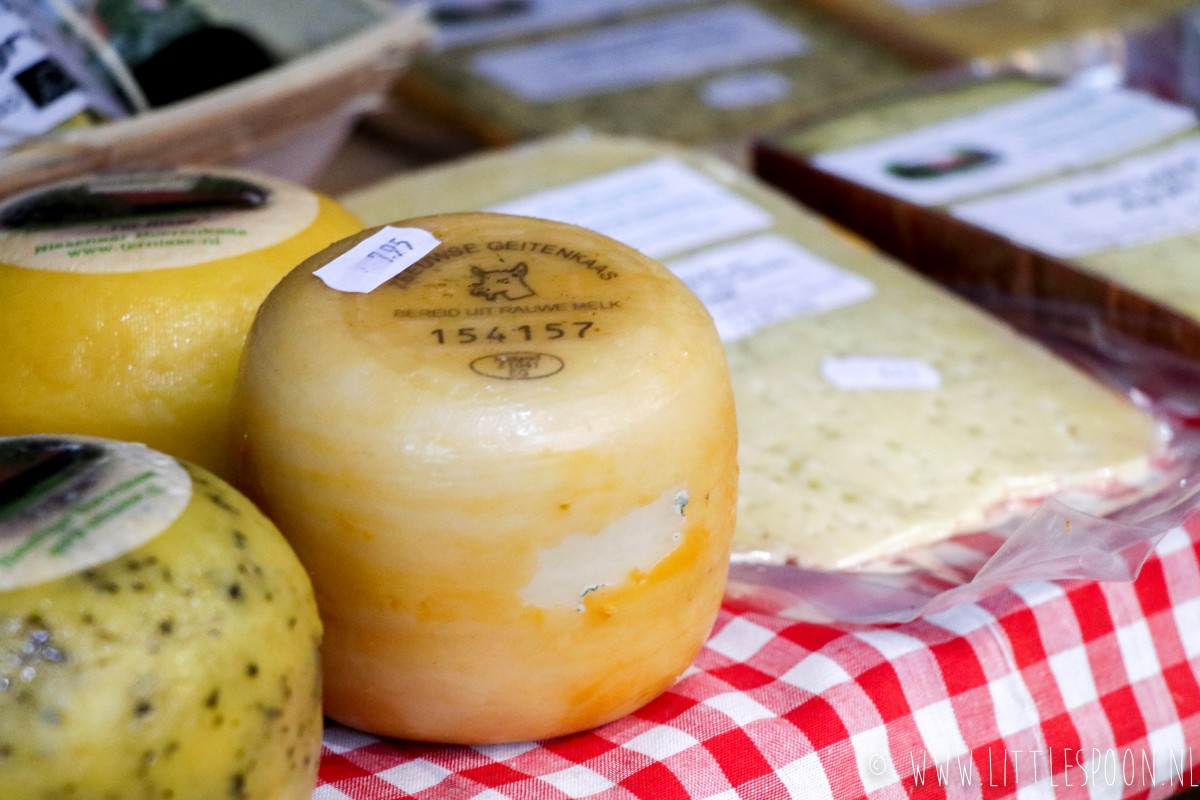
{"x": 830, "y": 476}
{"x": 510, "y": 469}
{"x": 158, "y": 637}
{"x": 127, "y": 297}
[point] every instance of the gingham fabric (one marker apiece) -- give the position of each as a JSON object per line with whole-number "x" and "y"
{"x": 1051, "y": 689}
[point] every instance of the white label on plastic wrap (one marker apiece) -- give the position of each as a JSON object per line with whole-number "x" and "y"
{"x": 1046, "y": 133}
{"x": 377, "y": 259}
{"x": 641, "y": 53}
{"x": 36, "y": 93}
{"x": 1142, "y": 199}
{"x": 466, "y": 22}
{"x": 874, "y": 373}
{"x": 82, "y": 502}
{"x": 754, "y": 283}
{"x": 661, "y": 207}
{"x": 745, "y": 89}
{"x": 931, "y": 6}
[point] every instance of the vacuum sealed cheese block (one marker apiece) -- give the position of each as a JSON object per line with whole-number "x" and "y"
{"x": 876, "y": 411}
{"x": 127, "y": 297}
{"x": 1087, "y": 194}
{"x": 158, "y": 637}
{"x": 506, "y": 450}
{"x": 699, "y": 72}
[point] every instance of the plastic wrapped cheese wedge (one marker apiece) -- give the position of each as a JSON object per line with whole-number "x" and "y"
{"x": 946, "y": 140}
{"x": 158, "y": 637}
{"x": 506, "y": 450}
{"x": 1086, "y": 196}
{"x": 875, "y": 410}
{"x": 127, "y": 296}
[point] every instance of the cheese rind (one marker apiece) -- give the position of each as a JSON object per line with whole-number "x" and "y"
{"x": 142, "y": 344}
{"x": 185, "y": 666}
{"x": 437, "y": 448}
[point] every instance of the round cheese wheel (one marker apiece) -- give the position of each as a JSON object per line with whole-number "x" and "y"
{"x": 158, "y": 637}
{"x": 510, "y": 470}
{"x": 127, "y": 298}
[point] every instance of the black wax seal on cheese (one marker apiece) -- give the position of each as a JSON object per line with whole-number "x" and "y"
{"x": 84, "y": 202}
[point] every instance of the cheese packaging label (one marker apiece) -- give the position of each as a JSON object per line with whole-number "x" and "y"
{"x": 750, "y": 284}
{"x": 135, "y": 221}
{"x": 377, "y": 259}
{"x": 1051, "y": 131}
{"x": 67, "y": 504}
{"x": 640, "y": 53}
{"x": 1141, "y": 199}
{"x": 661, "y": 207}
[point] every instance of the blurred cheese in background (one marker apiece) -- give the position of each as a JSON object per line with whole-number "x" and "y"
{"x": 944, "y": 32}
{"x": 875, "y": 410}
{"x": 127, "y": 297}
{"x": 699, "y": 72}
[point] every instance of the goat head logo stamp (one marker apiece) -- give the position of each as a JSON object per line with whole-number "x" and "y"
{"x": 496, "y": 284}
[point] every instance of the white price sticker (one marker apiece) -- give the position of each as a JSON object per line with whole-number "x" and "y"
{"x": 746, "y": 89}
{"x": 377, "y": 259}
{"x": 879, "y": 372}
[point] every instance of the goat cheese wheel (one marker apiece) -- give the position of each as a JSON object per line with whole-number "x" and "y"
{"x": 510, "y": 469}
{"x": 127, "y": 297}
{"x": 158, "y": 637}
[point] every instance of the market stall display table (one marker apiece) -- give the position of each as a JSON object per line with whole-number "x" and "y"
{"x": 1046, "y": 689}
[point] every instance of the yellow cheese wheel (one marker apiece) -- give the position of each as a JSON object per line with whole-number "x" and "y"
{"x": 510, "y": 469}
{"x": 158, "y": 637}
{"x": 127, "y": 298}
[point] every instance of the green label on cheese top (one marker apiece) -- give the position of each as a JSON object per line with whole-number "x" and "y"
{"x": 128, "y": 222}
{"x": 70, "y": 503}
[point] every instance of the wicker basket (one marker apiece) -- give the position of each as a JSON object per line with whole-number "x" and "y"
{"x": 286, "y": 121}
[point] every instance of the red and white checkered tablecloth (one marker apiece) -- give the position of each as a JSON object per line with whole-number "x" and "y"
{"x": 1047, "y": 689}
